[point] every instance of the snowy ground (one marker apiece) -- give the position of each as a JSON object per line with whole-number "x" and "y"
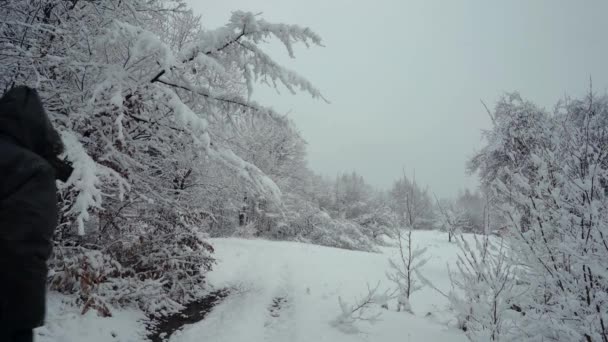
{"x": 64, "y": 323}
{"x": 288, "y": 292}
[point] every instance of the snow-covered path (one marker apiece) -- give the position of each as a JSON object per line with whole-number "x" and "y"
{"x": 289, "y": 292}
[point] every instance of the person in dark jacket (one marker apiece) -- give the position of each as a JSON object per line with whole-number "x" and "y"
{"x": 29, "y": 166}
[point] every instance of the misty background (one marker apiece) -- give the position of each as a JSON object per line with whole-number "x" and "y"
{"x": 405, "y": 78}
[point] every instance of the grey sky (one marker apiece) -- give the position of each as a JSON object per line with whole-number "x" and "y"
{"x": 405, "y": 78}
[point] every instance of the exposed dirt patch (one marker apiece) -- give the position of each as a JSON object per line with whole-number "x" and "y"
{"x": 161, "y": 329}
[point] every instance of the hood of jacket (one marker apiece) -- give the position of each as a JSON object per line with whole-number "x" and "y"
{"x": 24, "y": 120}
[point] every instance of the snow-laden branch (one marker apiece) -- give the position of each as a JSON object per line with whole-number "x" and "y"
{"x": 86, "y": 180}
{"x": 365, "y": 309}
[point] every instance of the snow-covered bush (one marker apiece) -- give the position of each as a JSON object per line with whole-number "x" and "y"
{"x": 485, "y": 289}
{"x": 156, "y": 271}
{"x": 307, "y": 223}
{"x": 364, "y": 309}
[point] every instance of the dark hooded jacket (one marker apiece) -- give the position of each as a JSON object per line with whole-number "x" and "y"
{"x": 29, "y": 165}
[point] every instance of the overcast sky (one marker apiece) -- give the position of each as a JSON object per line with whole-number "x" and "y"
{"x": 405, "y": 78}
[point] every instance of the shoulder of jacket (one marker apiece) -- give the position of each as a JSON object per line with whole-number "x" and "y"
{"x": 18, "y": 165}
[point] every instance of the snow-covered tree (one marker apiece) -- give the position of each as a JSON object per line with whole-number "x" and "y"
{"x": 352, "y": 195}
{"x": 412, "y": 204}
{"x": 451, "y": 219}
{"x": 520, "y": 128}
{"x": 472, "y": 208}
{"x": 404, "y": 269}
{"x": 549, "y": 175}
{"x": 144, "y": 98}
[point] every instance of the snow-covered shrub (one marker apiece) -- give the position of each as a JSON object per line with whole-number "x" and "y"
{"x": 84, "y": 272}
{"x": 301, "y": 220}
{"x": 158, "y": 272}
{"x": 379, "y": 223}
{"x": 364, "y": 309}
{"x": 346, "y": 234}
{"x": 485, "y": 289}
